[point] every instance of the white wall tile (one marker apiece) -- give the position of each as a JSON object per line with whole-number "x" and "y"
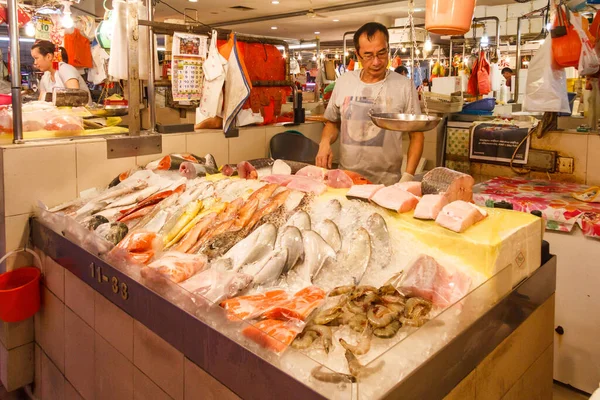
{"x": 94, "y": 169}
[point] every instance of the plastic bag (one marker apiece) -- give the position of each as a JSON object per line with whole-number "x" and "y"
{"x": 6, "y": 122}
{"x": 546, "y": 88}
{"x": 64, "y": 123}
{"x": 484, "y": 85}
{"x": 177, "y": 266}
{"x": 588, "y": 59}
{"x": 216, "y": 285}
{"x": 215, "y": 69}
{"x": 428, "y": 279}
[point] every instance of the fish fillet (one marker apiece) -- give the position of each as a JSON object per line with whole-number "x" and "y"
{"x": 338, "y": 179}
{"x": 394, "y": 198}
{"x": 459, "y": 216}
{"x": 452, "y": 184}
{"x": 411, "y": 187}
{"x": 430, "y": 206}
{"x": 307, "y": 185}
{"x": 310, "y": 171}
{"x": 363, "y": 192}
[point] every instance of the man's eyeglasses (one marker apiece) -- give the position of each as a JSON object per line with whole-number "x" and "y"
{"x": 381, "y": 54}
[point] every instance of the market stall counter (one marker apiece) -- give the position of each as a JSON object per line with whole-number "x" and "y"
{"x": 273, "y": 275}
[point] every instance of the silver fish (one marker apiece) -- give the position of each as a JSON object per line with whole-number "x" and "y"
{"x": 334, "y": 208}
{"x": 136, "y": 197}
{"x": 331, "y": 234}
{"x": 357, "y": 254}
{"x": 316, "y": 254}
{"x": 300, "y": 220}
{"x": 272, "y": 269}
{"x": 253, "y": 247}
{"x": 377, "y": 229}
{"x": 90, "y": 208}
{"x": 119, "y": 191}
{"x": 291, "y": 240}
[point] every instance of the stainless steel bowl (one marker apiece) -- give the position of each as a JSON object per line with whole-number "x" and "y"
{"x": 405, "y": 122}
{"x": 109, "y": 111}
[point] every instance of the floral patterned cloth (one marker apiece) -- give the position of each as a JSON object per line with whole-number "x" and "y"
{"x": 553, "y": 199}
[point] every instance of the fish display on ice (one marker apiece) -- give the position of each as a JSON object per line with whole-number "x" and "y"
{"x": 262, "y": 243}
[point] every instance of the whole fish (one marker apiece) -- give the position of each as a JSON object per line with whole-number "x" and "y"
{"x": 192, "y": 170}
{"x": 316, "y": 254}
{"x": 217, "y": 231}
{"x": 247, "y": 169}
{"x": 300, "y": 220}
{"x": 357, "y": 255}
{"x": 171, "y": 162}
{"x": 263, "y": 193}
{"x": 191, "y": 210}
{"x": 154, "y": 199}
{"x": 253, "y": 247}
{"x": 245, "y": 214}
{"x": 142, "y": 212}
{"x": 122, "y": 176}
{"x": 194, "y": 234}
{"x": 290, "y": 239}
{"x": 272, "y": 268}
{"x": 378, "y": 231}
{"x": 330, "y": 232}
{"x": 272, "y": 205}
{"x": 136, "y": 197}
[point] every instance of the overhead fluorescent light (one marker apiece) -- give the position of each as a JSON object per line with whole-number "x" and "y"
{"x": 317, "y": 33}
{"x": 274, "y": 28}
{"x": 303, "y": 46}
{"x": 275, "y": 2}
{"x": 24, "y": 40}
{"x": 336, "y": 20}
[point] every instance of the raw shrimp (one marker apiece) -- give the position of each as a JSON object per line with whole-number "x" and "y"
{"x": 389, "y": 331}
{"x": 331, "y": 377}
{"x": 364, "y": 344}
{"x": 324, "y": 332}
{"x": 380, "y": 316}
{"x": 338, "y": 291}
{"x": 305, "y": 340}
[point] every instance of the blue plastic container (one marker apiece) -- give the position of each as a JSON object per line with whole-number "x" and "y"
{"x": 481, "y": 105}
{"x": 571, "y": 101}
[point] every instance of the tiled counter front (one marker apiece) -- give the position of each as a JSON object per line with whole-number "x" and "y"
{"x": 88, "y": 348}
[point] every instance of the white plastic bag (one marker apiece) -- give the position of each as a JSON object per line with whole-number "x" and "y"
{"x": 247, "y": 117}
{"x": 589, "y": 63}
{"x": 214, "y": 70}
{"x": 546, "y": 88}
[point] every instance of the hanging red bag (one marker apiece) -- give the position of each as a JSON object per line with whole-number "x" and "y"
{"x": 472, "y": 87}
{"x": 566, "y": 49}
{"x": 484, "y": 83}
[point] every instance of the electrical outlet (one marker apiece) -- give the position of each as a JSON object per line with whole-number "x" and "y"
{"x": 541, "y": 160}
{"x": 565, "y": 165}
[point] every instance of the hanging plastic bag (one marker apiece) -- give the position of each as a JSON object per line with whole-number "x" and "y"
{"x": 484, "y": 85}
{"x": 566, "y": 48}
{"x": 546, "y": 88}
{"x": 588, "y": 60}
{"x": 211, "y": 104}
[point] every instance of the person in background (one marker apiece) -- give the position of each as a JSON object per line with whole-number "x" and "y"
{"x": 508, "y": 73}
{"x": 402, "y": 70}
{"x": 373, "y": 152}
{"x": 66, "y": 76}
{"x": 424, "y": 86}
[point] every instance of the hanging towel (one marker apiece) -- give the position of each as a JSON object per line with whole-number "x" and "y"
{"x": 117, "y": 64}
{"x": 97, "y": 74}
{"x": 237, "y": 86}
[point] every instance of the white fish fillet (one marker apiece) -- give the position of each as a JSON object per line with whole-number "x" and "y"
{"x": 459, "y": 216}
{"x": 430, "y": 206}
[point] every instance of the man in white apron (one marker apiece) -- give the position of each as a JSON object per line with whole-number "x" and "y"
{"x": 364, "y": 148}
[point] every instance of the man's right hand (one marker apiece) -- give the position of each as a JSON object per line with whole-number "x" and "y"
{"x": 325, "y": 156}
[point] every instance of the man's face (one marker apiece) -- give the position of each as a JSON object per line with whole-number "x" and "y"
{"x": 374, "y": 54}
{"x": 507, "y": 75}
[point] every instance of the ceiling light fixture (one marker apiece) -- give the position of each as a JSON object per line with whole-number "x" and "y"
{"x": 275, "y": 2}
{"x": 314, "y": 57}
{"x": 417, "y": 51}
{"x": 303, "y": 46}
{"x": 299, "y": 57}
{"x": 67, "y": 20}
{"x": 336, "y": 20}
{"x": 317, "y": 32}
{"x": 193, "y": 1}
{"x": 274, "y": 28}
{"x": 428, "y": 45}
{"x": 418, "y": 9}
{"x": 30, "y": 29}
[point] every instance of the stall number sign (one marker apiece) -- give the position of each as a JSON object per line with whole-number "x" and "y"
{"x": 118, "y": 288}
{"x": 494, "y": 142}
{"x": 43, "y": 27}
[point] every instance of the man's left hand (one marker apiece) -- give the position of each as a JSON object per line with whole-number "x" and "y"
{"x": 406, "y": 177}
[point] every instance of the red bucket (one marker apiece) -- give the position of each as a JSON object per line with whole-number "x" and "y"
{"x": 20, "y": 291}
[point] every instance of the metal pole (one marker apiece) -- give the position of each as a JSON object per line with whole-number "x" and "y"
{"x": 151, "y": 72}
{"x": 133, "y": 39}
{"x": 450, "y": 59}
{"x": 15, "y": 70}
{"x": 518, "y": 63}
{"x": 319, "y": 74}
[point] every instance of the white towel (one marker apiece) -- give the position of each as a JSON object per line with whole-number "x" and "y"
{"x": 117, "y": 65}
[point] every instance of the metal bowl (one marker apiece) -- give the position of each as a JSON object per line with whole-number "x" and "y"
{"x": 109, "y": 111}
{"x": 405, "y": 122}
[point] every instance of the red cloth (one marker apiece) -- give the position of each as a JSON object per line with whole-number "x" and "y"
{"x": 79, "y": 50}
